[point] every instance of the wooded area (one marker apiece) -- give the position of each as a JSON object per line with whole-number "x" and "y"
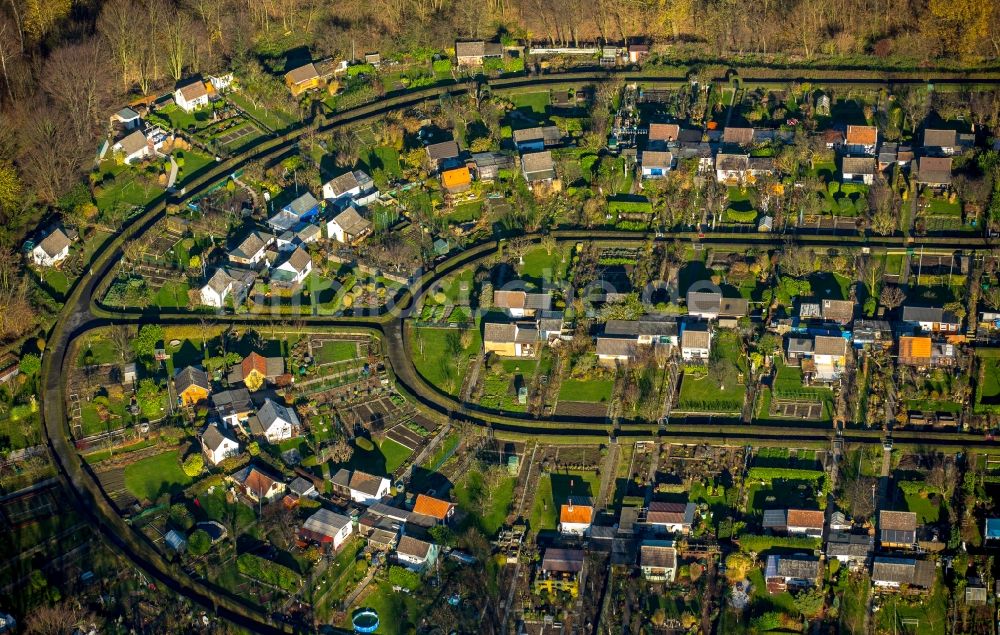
{"x": 65, "y": 65}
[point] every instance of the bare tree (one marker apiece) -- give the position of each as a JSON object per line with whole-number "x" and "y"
{"x": 859, "y": 495}
{"x": 116, "y": 25}
{"x": 121, "y": 337}
{"x": 892, "y": 297}
{"x": 59, "y": 618}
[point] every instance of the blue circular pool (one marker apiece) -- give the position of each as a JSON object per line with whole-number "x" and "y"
{"x": 365, "y": 621}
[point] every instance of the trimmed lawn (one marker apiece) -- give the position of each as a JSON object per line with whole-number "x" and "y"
{"x": 894, "y": 264}
{"x": 918, "y": 615}
{"x": 193, "y": 163}
{"x": 395, "y": 610}
{"x": 554, "y": 489}
{"x": 781, "y": 494}
{"x": 172, "y": 295}
{"x": 541, "y": 266}
{"x": 926, "y": 509}
{"x": 537, "y": 102}
{"x": 386, "y": 159}
{"x": 56, "y": 280}
{"x": 830, "y": 286}
{"x": 825, "y": 170}
{"x": 99, "y": 349}
{"x": 275, "y": 119}
{"x": 13, "y": 427}
{"x": 487, "y": 512}
{"x": 214, "y": 506}
{"x": 944, "y": 207}
{"x": 126, "y": 191}
{"x": 788, "y": 384}
{"x": 335, "y": 351}
{"x": 395, "y": 454}
{"x": 931, "y": 405}
{"x": 592, "y": 390}
{"x": 466, "y": 212}
{"x": 440, "y": 357}
{"x": 740, "y": 208}
{"x": 699, "y": 391}
{"x": 764, "y": 601}
{"x": 180, "y": 120}
{"x": 150, "y": 478}
{"x": 989, "y": 390}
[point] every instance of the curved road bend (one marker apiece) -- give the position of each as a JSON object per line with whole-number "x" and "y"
{"x": 392, "y": 326}
{"x": 76, "y": 318}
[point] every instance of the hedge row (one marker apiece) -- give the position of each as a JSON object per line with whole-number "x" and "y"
{"x": 789, "y": 473}
{"x": 630, "y": 207}
{"x": 268, "y": 572}
{"x": 755, "y": 543}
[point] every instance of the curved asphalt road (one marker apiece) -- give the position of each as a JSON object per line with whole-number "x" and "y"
{"x": 80, "y": 315}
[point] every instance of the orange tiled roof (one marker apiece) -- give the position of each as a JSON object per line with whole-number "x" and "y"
{"x": 804, "y": 518}
{"x": 430, "y": 506}
{"x": 862, "y": 135}
{"x": 456, "y": 177}
{"x": 576, "y": 514}
{"x": 914, "y": 347}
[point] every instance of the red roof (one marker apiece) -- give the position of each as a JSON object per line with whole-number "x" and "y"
{"x": 254, "y": 361}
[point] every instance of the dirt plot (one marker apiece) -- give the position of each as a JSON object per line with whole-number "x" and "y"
{"x": 162, "y": 243}
{"x": 797, "y": 409}
{"x": 339, "y": 395}
{"x": 426, "y": 423}
{"x": 405, "y": 437}
{"x": 581, "y": 409}
{"x": 27, "y": 508}
{"x": 239, "y": 133}
{"x": 681, "y": 462}
{"x": 375, "y": 415}
{"x": 113, "y": 483}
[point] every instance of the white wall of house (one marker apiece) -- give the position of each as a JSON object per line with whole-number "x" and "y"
{"x": 43, "y": 259}
{"x": 189, "y": 106}
{"x": 210, "y": 297}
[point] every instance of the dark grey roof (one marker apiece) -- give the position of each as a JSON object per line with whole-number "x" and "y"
{"x": 798, "y": 567}
{"x": 657, "y": 554}
{"x": 616, "y": 347}
{"x": 774, "y": 518}
{"x": 928, "y": 314}
{"x": 365, "y": 483}
{"x": 191, "y": 376}
{"x": 549, "y": 135}
{"x": 232, "y": 401}
{"x": 212, "y": 437}
{"x": 648, "y": 326}
{"x": 843, "y": 543}
{"x": 443, "y": 150}
{"x": 55, "y": 242}
{"x": 859, "y": 165}
{"x": 920, "y": 573}
{"x": 303, "y": 204}
{"x": 301, "y": 486}
{"x": 563, "y": 560}
{"x": 940, "y": 138}
{"x": 342, "y": 478}
{"x": 410, "y": 546}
